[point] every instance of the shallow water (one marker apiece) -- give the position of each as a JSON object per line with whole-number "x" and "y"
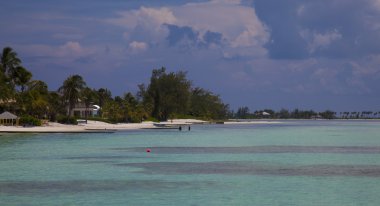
{"x": 292, "y": 163}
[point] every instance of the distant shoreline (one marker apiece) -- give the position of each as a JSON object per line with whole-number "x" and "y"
{"x": 102, "y": 127}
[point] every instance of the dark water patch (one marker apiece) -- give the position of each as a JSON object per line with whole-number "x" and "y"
{"x": 97, "y": 162}
{"x": 259, "y": 149}
{"x": 95, "y": 157}
{"x": 251, "y": 168}
{"x": 77, "y": 186}
{"x": 102, "y": 157}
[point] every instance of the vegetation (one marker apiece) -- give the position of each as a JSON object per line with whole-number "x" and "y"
{"x": 28, "y": 120}
{"x": 167, "y": 95}
{"x": 67, "y": 120}
{"x": 170, "y": 95}
{"x": 71, "y": 91}
{"x": 244, "y": 113}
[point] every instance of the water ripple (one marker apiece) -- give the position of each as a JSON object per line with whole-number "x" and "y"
{"x": 75, "y": 186}
{"x": 259, "y": 149}
{"x": 250, "y": 168}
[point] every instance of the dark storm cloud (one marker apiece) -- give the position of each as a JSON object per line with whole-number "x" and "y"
{"x": 177, "y": 34}
{"x": 281, "y": 18}
{"x": 187, "y": 36}
{"x": 297, "y": 24}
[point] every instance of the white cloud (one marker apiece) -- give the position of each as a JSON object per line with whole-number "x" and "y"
{"x": 301, "y": 10}
{"x": 150, "y": 20}
{"x": 136, "y": 46}
{"x": 376, "y": 4}
{"x": 70, "y": 49}
{"x": 144, "y": 16}
{"x": 241, "y": 28}
{"x": 318, "y": 41}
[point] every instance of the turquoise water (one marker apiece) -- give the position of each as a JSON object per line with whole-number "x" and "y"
{"x": 292, "y": 163}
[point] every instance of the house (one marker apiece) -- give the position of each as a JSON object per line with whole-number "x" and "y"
{"x": 9, "y": 119}
{"x": 80, "y": 110}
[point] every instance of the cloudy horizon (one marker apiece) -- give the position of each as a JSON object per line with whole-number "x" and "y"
{"x": 262, "y": 53}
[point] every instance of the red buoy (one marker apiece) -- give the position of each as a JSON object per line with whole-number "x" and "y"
{"x": 148, "y": 150}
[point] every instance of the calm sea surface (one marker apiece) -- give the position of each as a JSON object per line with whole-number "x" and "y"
{"x": 292, "y": 163}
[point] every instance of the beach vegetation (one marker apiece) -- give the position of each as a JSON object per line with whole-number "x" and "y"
{"x": 206, "y": 105}
{"x": 167, "y": 95}
{"x": 171, "y": 95}
{"x": 67, "y": 120}
{"x": 151, "y": 119}
{"x": 27, "y": 120}
{"x": 243, "y": 113}
{"x": 87, "y": 96}
{"x": 71, "y": 91}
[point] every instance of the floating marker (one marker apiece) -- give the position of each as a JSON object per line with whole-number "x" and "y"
{"x": 148, "y": 150}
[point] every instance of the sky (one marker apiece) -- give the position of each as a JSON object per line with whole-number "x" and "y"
{"x": 273, "y": 54}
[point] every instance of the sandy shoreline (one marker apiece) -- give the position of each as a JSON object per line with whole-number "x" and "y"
{"x": 94, "y": 127}
{"x": 102, "y": 127}
{"x": 90, "y": 127}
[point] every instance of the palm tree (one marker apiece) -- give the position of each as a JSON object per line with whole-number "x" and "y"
{"x": 71, "y": 90}
{"x": 88, "y": 98}
{"x": 21, "y": 77}
{"x": 55, "y": 106}
{"x": 5, "y": 87}
{"x": 103, "y": 96}
{"x": 9, "y": 60}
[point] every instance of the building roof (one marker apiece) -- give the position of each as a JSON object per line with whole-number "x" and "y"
{"x": 8, "y": 115}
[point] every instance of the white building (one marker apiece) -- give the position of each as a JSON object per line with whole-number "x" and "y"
{"x": 80, "y": 110}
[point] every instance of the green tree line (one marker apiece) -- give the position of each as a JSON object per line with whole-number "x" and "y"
{"x": 244, "y": 113}
{"x": 167, "y": 95}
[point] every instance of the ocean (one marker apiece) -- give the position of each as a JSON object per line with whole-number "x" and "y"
{"x": 316, "y": 162}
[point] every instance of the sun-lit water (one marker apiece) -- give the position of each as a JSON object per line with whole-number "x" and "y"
{"x": 292, "y": 163}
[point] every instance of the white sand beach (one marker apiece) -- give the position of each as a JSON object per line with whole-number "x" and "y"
{"x": 103, "y": 127}
{"x": 92, "y": 126}
{"x": 253, "y": 122}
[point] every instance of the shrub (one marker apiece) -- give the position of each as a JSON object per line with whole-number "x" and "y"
{"x": 67, "y": 120}
{"x": 152, "y": 119}
{"x": 28, "y": 120}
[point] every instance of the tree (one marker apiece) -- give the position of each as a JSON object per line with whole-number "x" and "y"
{"x": 71, "y": 91}
{"x": 113, "y": 111}
{"x": 243, "y": 113}
{"x": 55, "y": 105}
{"x": 35, "y": 98}
{"x": 9, "y": 61}
{"x": 206, "y": 105}
{"x": 88, "y": 97}
{"x": 283, "y": 114}
{"x": 328, "y": 114}
{"x": 169, "y": 93}
{"x": 21, "y": 77}
{"x": 5, "y": 88}
{"x": 102, "y": 96}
